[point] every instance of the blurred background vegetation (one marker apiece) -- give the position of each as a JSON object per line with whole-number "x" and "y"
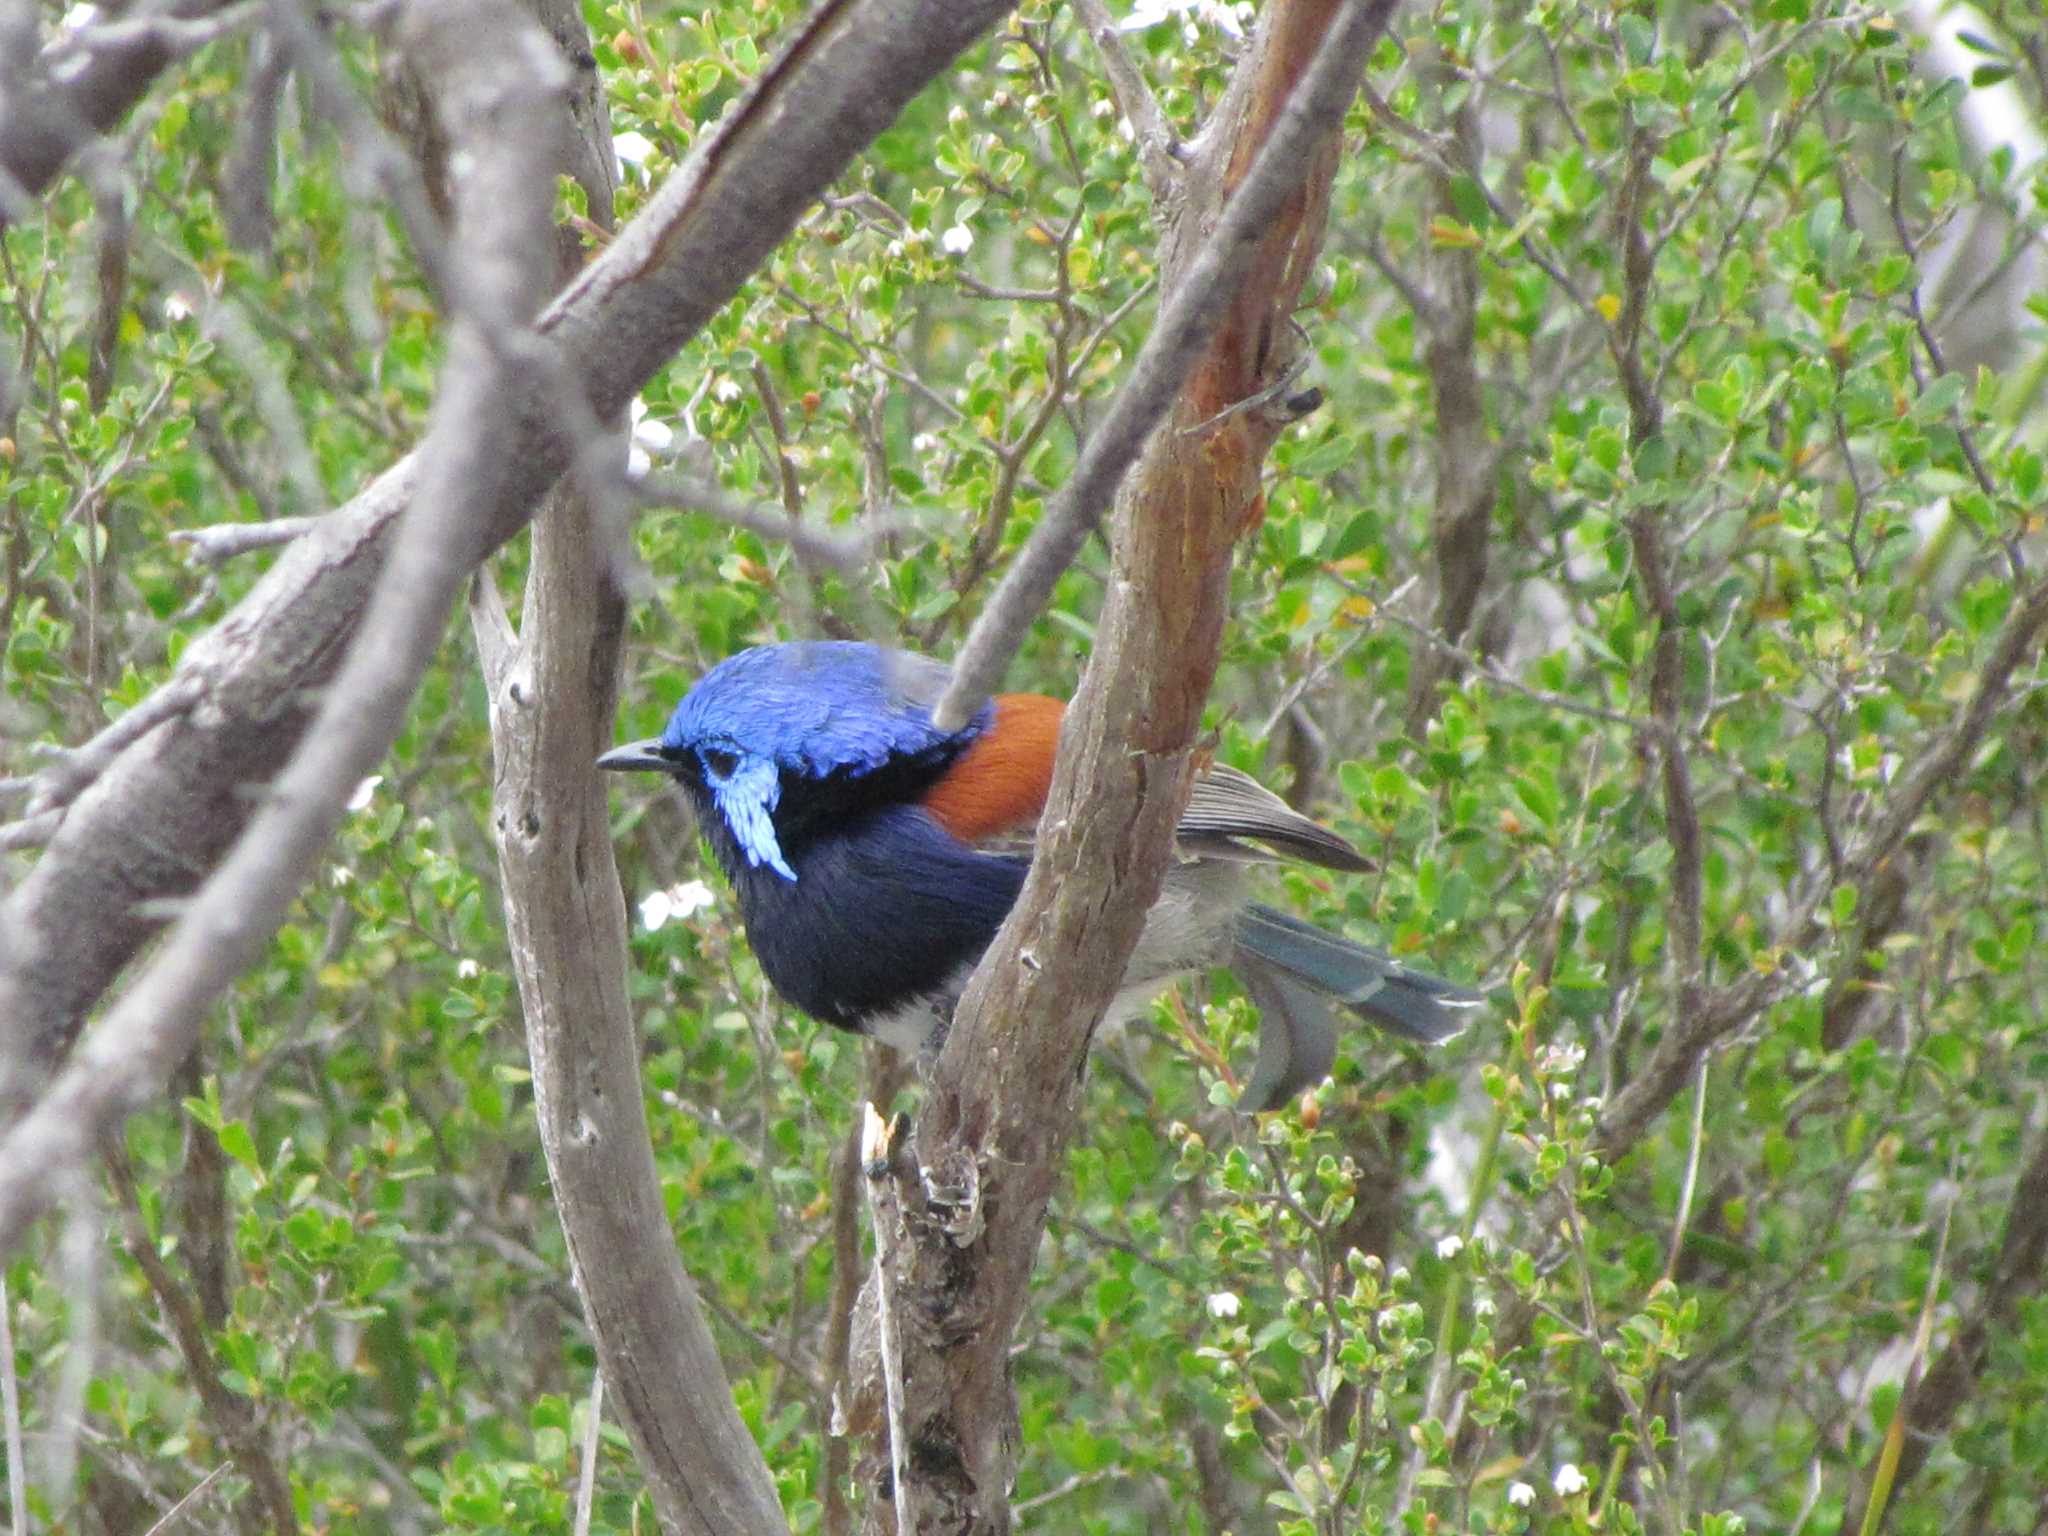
{"x": 1750, "y": 294}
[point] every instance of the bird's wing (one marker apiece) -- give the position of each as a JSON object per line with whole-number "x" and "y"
{"x": 1226, "y": 805}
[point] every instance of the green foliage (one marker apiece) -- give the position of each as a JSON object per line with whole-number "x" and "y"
{"x": 1747, "y": 304}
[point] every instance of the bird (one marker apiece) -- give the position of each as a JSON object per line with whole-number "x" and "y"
{"x": 874, "y": 856}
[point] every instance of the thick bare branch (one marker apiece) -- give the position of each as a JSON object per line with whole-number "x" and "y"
{"x": 1003, "y": 1098}
{"x": 553, "y": 691}
{"x": 505, "y": 76}
{"x": 52, "y": 113}
{"x": 165, "y": 811}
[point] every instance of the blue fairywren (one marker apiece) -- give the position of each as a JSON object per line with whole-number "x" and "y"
{"x": 867, "y": 850}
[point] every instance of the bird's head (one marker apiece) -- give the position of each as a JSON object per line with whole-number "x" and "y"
{"x": 777, "y": 741}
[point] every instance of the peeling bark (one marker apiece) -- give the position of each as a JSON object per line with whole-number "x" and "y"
{"x": 1006, "y": 1091}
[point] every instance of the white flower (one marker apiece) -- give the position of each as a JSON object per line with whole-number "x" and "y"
{"x": 637, "y": 461}
{"x": 1521, "y": 1495}
{"x": 360, "y": 800}
{"x": 654, "y": 436}
{"x": 1146, "y": 13}
{"x": 1569, "y": 1480}
{"x": 678, "y": 901}
{"x": 1226, "y": 19}
{"x": 177, "y": 307}
{"x": 1560, "y": 1060}
{"x": 468, "y": 970}
{"x": 725, "y": 391}
{"x": 1223, "y": 1304}
{"x": 633, "y": 148}
{"x": 957, "y": 115}
{"x": 957, "y": 241}
{"x": 690, "y": 898}
{"x": 1449, "y": 1247}
{"x": 924, "y": 442}
{"x": 340, "y": 875}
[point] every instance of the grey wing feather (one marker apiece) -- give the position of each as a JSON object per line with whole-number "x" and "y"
{"x": 1226, "y": 805}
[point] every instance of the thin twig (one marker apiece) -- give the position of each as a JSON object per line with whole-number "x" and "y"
{"x": 884, "y": 1215}
{"x": 697, "y": 493}
{"x": 1135, "y": 99}
{"x": 10, "y": 1416}
{"x": 1190, "y": 318}
{"x": 1692, "y": 1166}
{"x": 586, "y": 1479}
{"x": 223, "y": 541}
{"x": 198, "y": 1491}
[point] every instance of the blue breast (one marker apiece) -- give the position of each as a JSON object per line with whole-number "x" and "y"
{"x": 886, "y": 908}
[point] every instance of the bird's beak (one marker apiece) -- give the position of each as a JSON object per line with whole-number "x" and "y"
{"x": 647, "y": 756}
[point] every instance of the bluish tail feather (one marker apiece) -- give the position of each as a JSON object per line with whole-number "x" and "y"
{"x": 1291, "y": 968}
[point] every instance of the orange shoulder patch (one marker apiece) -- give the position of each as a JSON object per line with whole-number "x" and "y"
{"x": 999, "y": 784}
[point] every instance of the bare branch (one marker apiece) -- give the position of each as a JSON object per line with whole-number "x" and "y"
{"x": 1190, "y": 317}
{"x": 697, "y": 493}
{"x": 222, "y": 542}
{"x": 506, "y": 72}
{"x": 10, "y": 1417}
{"x": 174, "y": 802}
{"x": 1135, "y": 99}
{"x": 60, "y": 784}
{"x": 593, "y": 1437}
{"x": 1002, "y": 1099}
{"x": 50, "y": 116}
{"x": 193, "y": 1495}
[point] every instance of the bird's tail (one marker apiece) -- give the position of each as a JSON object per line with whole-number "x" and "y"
{"x": 1294, "y": 971}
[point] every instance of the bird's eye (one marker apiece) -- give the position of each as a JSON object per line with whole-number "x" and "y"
{"x": 718, "y": 762}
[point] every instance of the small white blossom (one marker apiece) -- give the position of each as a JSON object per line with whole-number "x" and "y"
{"x": 725, "y": 391}
{"x": 957, "y": 115}
{"x": 177, "y": 307}
{"x": 1569, "y": 1480}
{"x": 360, "y": 800}
{"x": 340, "y": 875}
{"x": 1448, "y": 1248}
{"x": 1104, "y": 108}
{"x": 658, "y": 908}
{"x": 924, "y": 442}
{"x": 1561, "y": 1060}
{"x": 690, "y": 898}
{"x": 633, "y": 148}
{"x": 468, "y": 970}
{"x": 957, "y": 241}
{"x": 637, "y": 461}
{"x": 1223, "y": 1304}
{"x": 1191, "y": 34}
{"x": 654, "y": 910}
{"x": 654, "y": 436}
{"x": 1521, "y": 1495}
